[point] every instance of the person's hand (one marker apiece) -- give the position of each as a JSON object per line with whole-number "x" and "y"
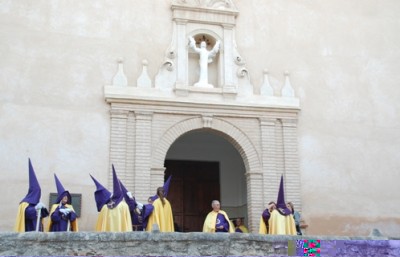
{"x": 129, "y": 194}
{"x": 40, "y": 206}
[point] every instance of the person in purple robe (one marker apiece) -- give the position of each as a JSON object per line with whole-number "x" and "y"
{"x": 62, "y": 213}
{"x": 135, "y": 209}
{"x": 31, "y": 211}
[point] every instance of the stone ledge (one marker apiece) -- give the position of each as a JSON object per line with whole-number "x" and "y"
{"x": 177, "y": 244}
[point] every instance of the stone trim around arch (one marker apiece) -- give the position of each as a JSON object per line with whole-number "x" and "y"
{"x": 232, "y": 134}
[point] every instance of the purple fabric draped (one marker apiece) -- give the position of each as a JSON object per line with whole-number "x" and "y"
{"x": 31, "y": 218}
{"x": 221, "y": 221}
{"x": 60, "y": 221}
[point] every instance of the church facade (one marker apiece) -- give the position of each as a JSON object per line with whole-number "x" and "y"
{"x": 292, "y": 89}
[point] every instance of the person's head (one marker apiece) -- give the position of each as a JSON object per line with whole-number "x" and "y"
{"x": 203, "y": 44}
{"x": 238, "y": 222}
{"x": 271, "y": 206}
{"x": 64, "y": 200}
{"x": 160, "y": 192}
{"x": 150, "y": 200}
{"x": 215, "y": 205}
{"x": 290, "y": 206}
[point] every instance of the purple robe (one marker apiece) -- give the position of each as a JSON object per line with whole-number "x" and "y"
{"x": 60, "y": 221}
{"x": 221, "y": 221}
{"x": 137, "y": 224}
{"x": 266, "y": 215}
{"x": 31, "y": 218}
{"x": 147, "y": 210}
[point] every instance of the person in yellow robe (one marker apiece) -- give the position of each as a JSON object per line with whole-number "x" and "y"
{"x": 217, "y": 220}
{"x": 278, "y": 219}
{"x": 62, "y": 213}
{"x": 114, "y": 215}
{"x": 240, "y": 227}
{"x": 30, "y": 210}
{"x": 162, "y": 214}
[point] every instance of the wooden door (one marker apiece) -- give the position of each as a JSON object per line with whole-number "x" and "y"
{"x": 194, "y": 185}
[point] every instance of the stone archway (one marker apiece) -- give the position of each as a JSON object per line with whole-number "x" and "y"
{"x": 233, "y": 135}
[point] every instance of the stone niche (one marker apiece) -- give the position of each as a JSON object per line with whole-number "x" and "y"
{"x": 149, "y": 115}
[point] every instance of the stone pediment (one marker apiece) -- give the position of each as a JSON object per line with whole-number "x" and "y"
{"x": 213, "y": 73}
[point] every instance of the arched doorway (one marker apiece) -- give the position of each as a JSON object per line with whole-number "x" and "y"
{"x": 205, "y": 166}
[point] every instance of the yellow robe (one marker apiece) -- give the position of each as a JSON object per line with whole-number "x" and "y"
{"x": 211, "y": 220}
{"x": 114, "y": 220}
{"x": 74, "y": 224}
{"x": 162, "y": 216}
{"x": 20, "y": 221}
{"x": 243, "y": 229}
{"x": 278, "y": 224}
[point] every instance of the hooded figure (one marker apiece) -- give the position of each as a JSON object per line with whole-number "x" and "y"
{"x": 137, "y": 221}
{"x": 166, "y": 189}
{"x": 162, "y": 214}
{"x": 31, "y": 211}
{"x": 62, "y": 213}
{"x": 278, "y": 216}
{"x": 101, "y": 195}
{"x": 114, "y": 213}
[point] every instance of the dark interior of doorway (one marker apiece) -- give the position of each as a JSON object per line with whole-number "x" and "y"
{"x": 194, "y": 185}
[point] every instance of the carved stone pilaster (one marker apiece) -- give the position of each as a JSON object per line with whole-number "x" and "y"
{"x": 143, "y": 139}
{"x": 254, "y": 180}
{"x": 118, "y": 137}
{"x": 268, "y": 146}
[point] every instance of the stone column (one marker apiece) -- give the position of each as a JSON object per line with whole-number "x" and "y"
{"x": 291, "y": 162}
{"x": 228, "y": 86}
{"x": 118, "y": 142}
{"x": 254, "y": 198}
{"x": 182, "y": 79}
{"x": 268, "y": 146}
{"x": 156, "y": 179}
{"x": 130, "y": 154}
{"x": 143, "y": 139}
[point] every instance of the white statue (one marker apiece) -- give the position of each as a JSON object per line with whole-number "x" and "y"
{"x": 205, "y": 58}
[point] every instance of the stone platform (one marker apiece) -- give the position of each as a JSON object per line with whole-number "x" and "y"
{"x": 185, "y": 244}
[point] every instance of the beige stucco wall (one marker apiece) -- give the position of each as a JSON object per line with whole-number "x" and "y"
{"x": 343, "y": 57}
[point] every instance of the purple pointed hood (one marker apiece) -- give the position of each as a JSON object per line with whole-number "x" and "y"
{"x": 166, "y": 189}
{"x": 61, "y": 192}
{"x": 117, "y": 195}
{"x": 280, "y": 203}
{"x": 101, "y": 195}
{"x": 34, "y": 191}
{"x": 124, "y": 191}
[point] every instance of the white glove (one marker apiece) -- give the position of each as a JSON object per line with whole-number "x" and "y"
{"x": 139, "y": 205}
{"x": 129, "y": 194}
{"x": 40, "y": 206}
{"x": 64, "y": 211}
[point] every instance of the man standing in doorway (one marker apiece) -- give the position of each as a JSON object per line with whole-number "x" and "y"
{"x": 217, "y": 220}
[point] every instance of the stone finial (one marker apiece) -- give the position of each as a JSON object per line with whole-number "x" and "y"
{"x": 120, "y": 79}
{"x": 144, "y": 79}
{"x": 266, "y": 88}
{"x": 287, "y": 90}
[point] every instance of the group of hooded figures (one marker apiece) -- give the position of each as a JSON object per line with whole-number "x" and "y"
{"x": 120, "y": 212}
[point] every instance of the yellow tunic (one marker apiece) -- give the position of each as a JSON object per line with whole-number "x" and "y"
{"x": 74, "y": 224}
{"x": 114, "y": 220}
{"x": 211, "y": 220}
{"x": 278, "y": 224}
{"x": 162, "y": 216}
{"x": 20, "y": 221}
{"x": 243, "y": 229}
